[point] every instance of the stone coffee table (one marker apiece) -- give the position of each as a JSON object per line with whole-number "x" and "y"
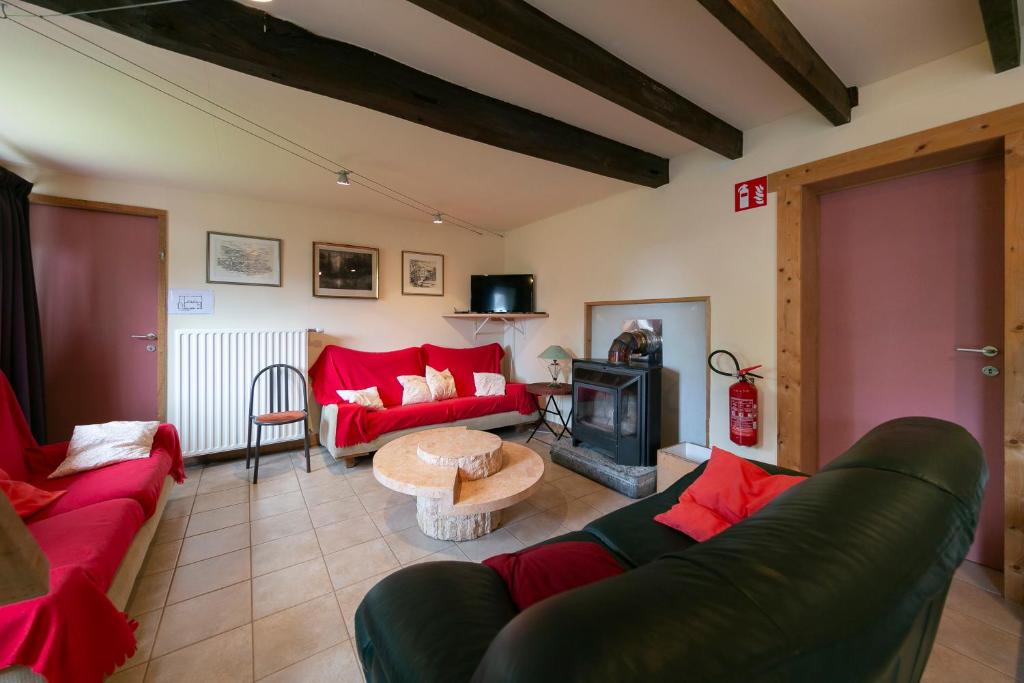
{"x": 462, "y": 478}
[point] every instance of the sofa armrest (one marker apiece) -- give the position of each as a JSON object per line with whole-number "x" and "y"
{"x": 431, "y": 622}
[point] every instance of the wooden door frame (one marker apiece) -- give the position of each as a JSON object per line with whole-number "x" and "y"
{"x": 997, "y": 133}
{"x": 161, "y": 304}
{"x": 706, "y": 300}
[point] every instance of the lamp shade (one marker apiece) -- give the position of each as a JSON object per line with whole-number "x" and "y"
{"x": 555, "y": 352}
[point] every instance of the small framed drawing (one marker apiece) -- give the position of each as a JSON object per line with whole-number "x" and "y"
{"x": 422, "y": 274}
{"x": 243, "y": 259}
{"x": 345, "y": 271}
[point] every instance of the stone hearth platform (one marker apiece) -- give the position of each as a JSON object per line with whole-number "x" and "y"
{"x": 635, "y": 482}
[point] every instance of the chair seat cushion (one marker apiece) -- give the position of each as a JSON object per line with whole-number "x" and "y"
{"x": 138, "y": 480}
{"x": 94, "y": 538}
{"x": 280, "y": 418}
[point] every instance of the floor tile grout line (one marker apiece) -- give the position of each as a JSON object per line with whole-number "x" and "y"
{"x": 1018, "y": 636}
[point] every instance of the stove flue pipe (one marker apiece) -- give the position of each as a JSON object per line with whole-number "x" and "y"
{"x": 633, "y": 342}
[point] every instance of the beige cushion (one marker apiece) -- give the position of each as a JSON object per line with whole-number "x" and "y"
{"x": 489, "y": 383}
{"x": 441, "y": 383}
{"x": 414, "y": 389}
{"x": 369, "y": 398}
{"x": 95, "y": 446}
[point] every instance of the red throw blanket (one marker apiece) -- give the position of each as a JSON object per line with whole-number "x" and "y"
{"x": 74, "y": 634}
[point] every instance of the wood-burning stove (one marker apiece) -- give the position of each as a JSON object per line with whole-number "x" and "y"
{"x": 617, "y": 409}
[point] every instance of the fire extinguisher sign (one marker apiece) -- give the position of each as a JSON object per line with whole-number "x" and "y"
{"x": 752, "y": 194}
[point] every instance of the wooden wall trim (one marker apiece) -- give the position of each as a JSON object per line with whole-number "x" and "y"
{"x": 161, "y": 304}
{"x": 980, "y": 135}
{"x": 1013, "y": 370}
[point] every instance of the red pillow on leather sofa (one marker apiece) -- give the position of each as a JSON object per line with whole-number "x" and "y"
{"x": 730, "y": 490}
{"x": 545, "y": 570}
{"x": 463, "y": 363}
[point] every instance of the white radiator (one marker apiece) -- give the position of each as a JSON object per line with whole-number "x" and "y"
{"x": 212, "y": 376}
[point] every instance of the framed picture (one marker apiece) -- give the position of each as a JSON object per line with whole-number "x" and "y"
{"x": 345, "y": 271}
{"x": 243, "y": 259}
{"x": 422, "y": 274}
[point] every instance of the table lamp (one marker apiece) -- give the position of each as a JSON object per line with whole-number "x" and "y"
{"x": 555, "y": 354}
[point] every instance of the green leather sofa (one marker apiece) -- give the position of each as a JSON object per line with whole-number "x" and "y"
{"x": 842, "y": 578}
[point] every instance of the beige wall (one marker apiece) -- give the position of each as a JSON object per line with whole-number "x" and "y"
{"x": 684, "y": 239}
{"x": 393, "y": 321}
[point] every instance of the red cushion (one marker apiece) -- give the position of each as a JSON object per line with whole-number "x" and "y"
{"x": 94, "y": 537}
{"x": 730, "y": 490}
{"x": 405, "y": 417}
{"x": 140, "y": 480}
{"x": 26, "y": 498}
{"x": 341, "y": 368}
{"x": 464, "y": 362}
{"x": 545, "y": 570}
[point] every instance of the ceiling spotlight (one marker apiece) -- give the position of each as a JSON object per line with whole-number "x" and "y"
{"x": 343, "y": 178}
{"x": 438, "y": 219}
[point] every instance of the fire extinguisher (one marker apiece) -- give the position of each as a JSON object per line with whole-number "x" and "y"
{"x": 742, "y": 401}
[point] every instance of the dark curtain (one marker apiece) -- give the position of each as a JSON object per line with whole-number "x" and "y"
{"x": 21, "y": 348}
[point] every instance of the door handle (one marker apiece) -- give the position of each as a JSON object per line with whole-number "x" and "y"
{"x": 151, "y": 336}
{"x": 987, "y": 351}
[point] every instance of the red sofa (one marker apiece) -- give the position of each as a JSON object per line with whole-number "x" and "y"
{"x": 349, "y": 430}
{"x": 95, "y": 537}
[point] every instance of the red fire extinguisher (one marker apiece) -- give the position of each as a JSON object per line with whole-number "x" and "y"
{"x": 742, "y": 401}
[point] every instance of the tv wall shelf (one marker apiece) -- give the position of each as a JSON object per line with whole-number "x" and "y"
{"x": 481, "y": 320}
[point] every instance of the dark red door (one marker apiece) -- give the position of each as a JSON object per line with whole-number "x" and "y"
{"x": 911, "y": 270}
{"x": 97, "y": 277}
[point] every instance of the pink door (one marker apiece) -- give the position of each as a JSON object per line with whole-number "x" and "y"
{"x": 911, "y": 270}
{"x": 97, "y": 277}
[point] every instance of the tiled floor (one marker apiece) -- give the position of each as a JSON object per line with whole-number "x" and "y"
{"x": 247, "y": 583}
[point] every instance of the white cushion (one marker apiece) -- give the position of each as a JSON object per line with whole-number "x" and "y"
{"x": 95, "y": 446}
{"x": 489, "y": 383}
{"x": 369, "y": 398}
{"x": 414, "y": 389}
{"x": 441, "y": 383}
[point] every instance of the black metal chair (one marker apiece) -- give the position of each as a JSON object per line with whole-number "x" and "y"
{"x": 279, "y": 398}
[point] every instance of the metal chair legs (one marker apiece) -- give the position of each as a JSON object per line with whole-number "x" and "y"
{"x": 256, "y": 468}
{"x": 305, "y": 437}
{"x": 248, "y": 446}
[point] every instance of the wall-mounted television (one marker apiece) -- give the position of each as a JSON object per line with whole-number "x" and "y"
{"x": 501, "y": 294}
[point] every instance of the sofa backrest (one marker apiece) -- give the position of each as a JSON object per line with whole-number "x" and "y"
{"x": 841, "y": 578}
{"x": 464, "y": 362}
{"x": 15, "y": 435}
{"x": 342, "y": 368}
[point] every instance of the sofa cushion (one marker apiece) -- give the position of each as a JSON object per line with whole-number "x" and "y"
{"x": 730, "y": 490}
{"x": 93, "y": 537}
{"x": 431, "y": 621}
{"x": 535, "y": 574}
{"x": 468, "y": 407}
{"x": 138, "y": 480}
{"x": 342, "y": 368}
{"x": 464, "y": 362}
{"x": 632, "y": 532}
{"x": 405, "y": 417}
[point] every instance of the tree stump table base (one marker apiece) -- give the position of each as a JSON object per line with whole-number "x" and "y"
{"x": 462, "y": 478}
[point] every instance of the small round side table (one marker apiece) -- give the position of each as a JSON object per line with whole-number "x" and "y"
{"x": 549, "y": 391}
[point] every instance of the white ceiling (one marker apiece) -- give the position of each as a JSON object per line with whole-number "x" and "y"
{"x": 60, "y": 110}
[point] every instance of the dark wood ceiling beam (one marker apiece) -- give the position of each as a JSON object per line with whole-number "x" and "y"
{"x": 250, "y": 41}
{"x": 524, "y": 30}
{"x": 1002, "y": 26}
{"x": 762, "y": 26}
